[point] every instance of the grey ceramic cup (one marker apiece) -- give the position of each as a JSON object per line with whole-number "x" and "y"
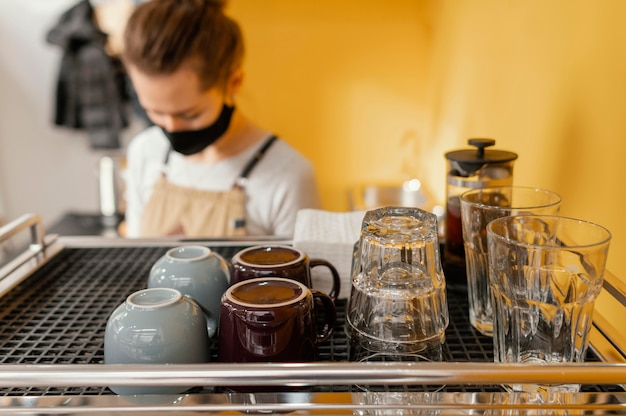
{"x": 156, "y": 326}
{"x": 198, "y": 272}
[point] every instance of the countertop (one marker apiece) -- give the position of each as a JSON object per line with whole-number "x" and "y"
{"x": 82, "y": 224}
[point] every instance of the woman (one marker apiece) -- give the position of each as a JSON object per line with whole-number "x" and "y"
{"x": 204, "y": 169}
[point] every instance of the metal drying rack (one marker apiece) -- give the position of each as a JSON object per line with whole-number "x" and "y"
{"x": 57, "y": 294}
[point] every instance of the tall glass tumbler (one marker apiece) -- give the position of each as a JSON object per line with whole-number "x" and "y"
{"x": 478, "y": 208}
{"x": 545, "y": 274}
{"x": 397, "y": 310}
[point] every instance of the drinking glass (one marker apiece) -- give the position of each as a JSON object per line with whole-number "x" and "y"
{"x": 397, "y": 310}
{"x": 478, "y": 208}
{"x": 545, "y": 274}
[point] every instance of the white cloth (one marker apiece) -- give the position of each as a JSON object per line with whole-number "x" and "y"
{"x": 330, "y": 236}
{"x": 281, "y": 183}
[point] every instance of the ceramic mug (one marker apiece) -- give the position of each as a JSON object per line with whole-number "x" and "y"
{"x": 196, "y": 271}
{"x": 279, "y": 261}
{"x": 156, "y": 326}
{"x": 273, "y": 319}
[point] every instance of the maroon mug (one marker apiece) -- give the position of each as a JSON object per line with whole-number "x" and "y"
{"x": 279, "y": 261}
{"x": 273, "y": 320}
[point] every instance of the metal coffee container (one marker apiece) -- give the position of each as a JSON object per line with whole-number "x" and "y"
{"x": 471, "y": 168}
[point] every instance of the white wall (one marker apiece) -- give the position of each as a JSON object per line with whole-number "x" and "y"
{"x": 44, "y": 169}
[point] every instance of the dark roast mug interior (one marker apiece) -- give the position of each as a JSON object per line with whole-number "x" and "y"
{"x": 280, "y": 261}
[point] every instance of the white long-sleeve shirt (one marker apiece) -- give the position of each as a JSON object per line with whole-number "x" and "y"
{"x": 280, "y": 184}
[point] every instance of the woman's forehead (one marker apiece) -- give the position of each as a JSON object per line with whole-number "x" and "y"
{"x": 172, "y": 93}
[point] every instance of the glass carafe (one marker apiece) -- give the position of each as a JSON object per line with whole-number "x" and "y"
{"x": 469, "y": 169}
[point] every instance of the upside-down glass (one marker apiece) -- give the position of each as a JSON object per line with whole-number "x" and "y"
{"x": 478, "y": 208}
{"x": 545, "y": 274}
{"x": 397, "y": 309}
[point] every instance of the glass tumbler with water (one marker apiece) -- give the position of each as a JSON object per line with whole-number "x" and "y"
{"x": 478, "y": 208}
{"x": 397, "y": 310}
{"x": 545, "y": 273}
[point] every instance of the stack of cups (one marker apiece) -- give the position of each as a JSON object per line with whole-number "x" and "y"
{"x": 397, "y": 310}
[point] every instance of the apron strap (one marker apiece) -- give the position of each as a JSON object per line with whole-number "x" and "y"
{"x": 165, "y": 160}
{"x": 243, "y": 176}
{"x": 241, "y": 181}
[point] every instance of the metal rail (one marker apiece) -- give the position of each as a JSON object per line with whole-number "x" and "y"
{"x": 26, "y": 221}
{"x": 362, "y": 403}
{"x": 309, "y": 374}
{"x": 35, "y": 255}
{"x": 297, "y": 376}
{"x": 321, "y": 403}
{"x": 615, "y": 287}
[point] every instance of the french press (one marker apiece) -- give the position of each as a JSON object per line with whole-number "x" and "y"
{"x": 469, "y": 169}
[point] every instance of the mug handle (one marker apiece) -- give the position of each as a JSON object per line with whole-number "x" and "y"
{"x": 336, "y": 280}
{"x": 323, "y": 301}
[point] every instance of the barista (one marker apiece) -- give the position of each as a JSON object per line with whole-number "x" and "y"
{"x": 204, "y": 169}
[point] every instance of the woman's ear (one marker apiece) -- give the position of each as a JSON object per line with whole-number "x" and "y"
{"x": 234, "y": 83}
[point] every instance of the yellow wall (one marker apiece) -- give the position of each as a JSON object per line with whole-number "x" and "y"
{"x": 377, "y": 91}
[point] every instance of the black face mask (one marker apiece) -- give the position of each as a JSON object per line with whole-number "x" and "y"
{"x": 189, "y": 142}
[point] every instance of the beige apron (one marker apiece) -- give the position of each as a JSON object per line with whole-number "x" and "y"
{"x": 177, "y": 210}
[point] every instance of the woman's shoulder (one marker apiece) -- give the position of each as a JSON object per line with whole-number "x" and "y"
{"x": 283, "y": 153}
{"x": 283, "y": 164}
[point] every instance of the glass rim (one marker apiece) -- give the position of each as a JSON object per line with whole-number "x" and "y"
{"x": 397, "y": 211}
{"x": 601, "y": 241}
{"x": 421, "y": 221}
{"x": 537, "y": 190}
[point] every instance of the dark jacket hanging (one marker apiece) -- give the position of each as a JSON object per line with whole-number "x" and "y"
{"x": 91, "y": 89}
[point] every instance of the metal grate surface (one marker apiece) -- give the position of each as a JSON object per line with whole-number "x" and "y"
{"x": 58, "y": 316}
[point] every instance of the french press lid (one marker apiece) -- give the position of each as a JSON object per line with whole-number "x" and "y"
{"x": 467, "y": 161}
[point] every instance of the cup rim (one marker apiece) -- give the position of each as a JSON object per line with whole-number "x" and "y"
{"x": 544, "y": 191}
{"x": 173, "y": 296}
{"x": 237, "y": 257}
{"x": 303, "y": 294}
{"x": 205, "y": 252}
{"x": 600, "y": 241}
